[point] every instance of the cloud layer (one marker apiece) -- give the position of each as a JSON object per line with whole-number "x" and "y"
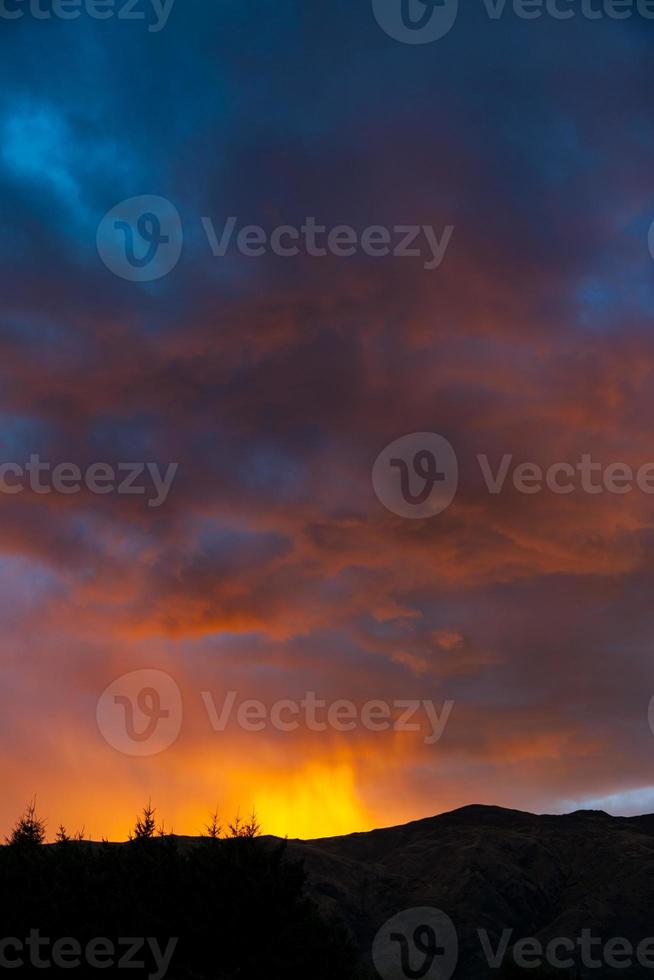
{"x": 272, "y": 569}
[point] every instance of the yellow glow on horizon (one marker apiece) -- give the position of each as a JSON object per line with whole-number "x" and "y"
{"x": 296, "y": 798}
{"x": 318, "y": 801}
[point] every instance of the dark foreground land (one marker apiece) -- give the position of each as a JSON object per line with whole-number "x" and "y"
{"x": 544, "y": 877}
{"x": 261, "y": 909}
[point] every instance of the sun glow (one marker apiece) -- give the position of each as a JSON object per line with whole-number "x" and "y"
{"x": 319, "y": 800}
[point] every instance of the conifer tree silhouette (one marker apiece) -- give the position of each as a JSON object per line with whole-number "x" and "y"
{"x": 146, "y": 825}
{"x": 252, "y": 827}
{"x": 248, "y": 829}
{"x": 214, "y": 827}
{"x": 29, "y": 829}
{"x": 252, "y": 888}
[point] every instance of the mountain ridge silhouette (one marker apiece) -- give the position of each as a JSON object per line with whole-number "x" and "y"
{"x": 490, "y": 868}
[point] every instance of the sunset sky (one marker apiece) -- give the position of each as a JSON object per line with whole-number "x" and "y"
{"x": 272, "y": 568}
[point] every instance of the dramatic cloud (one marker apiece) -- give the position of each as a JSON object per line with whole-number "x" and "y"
{"x": 271, "y": 569}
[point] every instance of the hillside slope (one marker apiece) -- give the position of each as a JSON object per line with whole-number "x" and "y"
{"x": 493, "y": 869}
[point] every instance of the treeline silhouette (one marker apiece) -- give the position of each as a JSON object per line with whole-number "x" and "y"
{"x": 31, "y": 829}
{"x": 234, "y": 900}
